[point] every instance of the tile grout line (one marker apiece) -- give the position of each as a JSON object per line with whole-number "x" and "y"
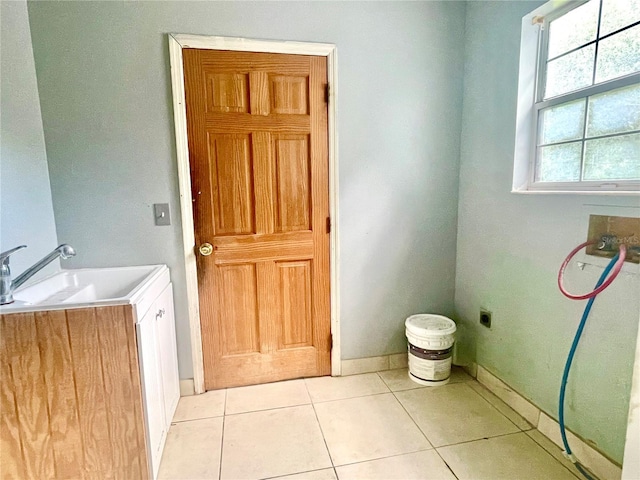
{"x": 413, "y": 420}
{"x": 383, "y": 381}
{"x": 186, "y": 420}
{"x": 347, "y": 398}
{"x": 266, "y": 409}
{"x": 484, "y": 438}
{"x": 351, "y": 398}
{"x": 411, "y": 416}
{"x": 326, "y": 445}
{"x": 497, "y": 410}
{"x": 594, "y": 456}
{"x": 224, "y": 418}
{"x": 448, "y": 466}
{"x": 386, "y": 457}
{"x": 423, "y": 433}
{"x": 363, "y": 396}
{"x": 574, "y": 473}
{"x": 469, "y": 441}
{"x": 420, "y": 386}
{"x": 334, "y": 467}
{"x": 464, "y": 442}
{"x": 297, "y": 473}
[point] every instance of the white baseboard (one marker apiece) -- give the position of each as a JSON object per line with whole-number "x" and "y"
{"x": 357, "y": 366}
{"x": 526, "y": 409}
{"x": 187, "y": 387}
{"x": 393, "y": 361}
{"x": 398, "y": 360}
{"x": 471, "y": 369}
{"x": 349, "y": 367}
{"x": 588, "y": 456}
{"x": 365, "y": 365}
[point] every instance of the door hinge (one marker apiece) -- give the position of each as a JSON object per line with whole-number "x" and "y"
{"x": 326, "y": 93}
{"x": 328, "y": 224}
{"x": 331, "y": 340}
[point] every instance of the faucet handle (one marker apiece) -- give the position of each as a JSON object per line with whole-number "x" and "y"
{"x": 4, "y": 256}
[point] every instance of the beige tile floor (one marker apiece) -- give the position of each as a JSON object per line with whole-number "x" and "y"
{"x": 372, "y": 426}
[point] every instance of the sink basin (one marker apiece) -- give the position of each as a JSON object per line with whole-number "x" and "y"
{"x": 83, "y": 287}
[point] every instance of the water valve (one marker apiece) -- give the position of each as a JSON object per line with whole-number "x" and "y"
{"x": 607, "y": 233}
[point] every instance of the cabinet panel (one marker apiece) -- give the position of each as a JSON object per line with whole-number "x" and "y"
{"x": 89, "y": 392}
{"x": 166, "y": 334}
{"x": 151, "y": 387}
{"x": 159, "y": 367}
{"x": 70, "y": 395}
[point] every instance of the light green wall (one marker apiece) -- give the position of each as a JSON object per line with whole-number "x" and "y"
{"x": 26, "y": 210}
{"x": 103, "y": 76}
{"x": 510, "y": 248}
{"x": 104, "y": 84}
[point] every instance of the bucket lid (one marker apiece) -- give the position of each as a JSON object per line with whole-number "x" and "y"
{"x": 433, "y": 324}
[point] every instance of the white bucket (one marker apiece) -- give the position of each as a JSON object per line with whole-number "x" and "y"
{"x": 431, "y": 339}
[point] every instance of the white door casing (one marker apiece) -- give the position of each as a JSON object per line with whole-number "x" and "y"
{"x": 176, "y": 43}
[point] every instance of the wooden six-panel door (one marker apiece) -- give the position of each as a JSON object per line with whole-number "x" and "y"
{"x": 258, "y": 148}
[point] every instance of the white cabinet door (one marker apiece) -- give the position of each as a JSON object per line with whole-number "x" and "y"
{"x": 151, "y": 387}
{"x": 166, "y": 334}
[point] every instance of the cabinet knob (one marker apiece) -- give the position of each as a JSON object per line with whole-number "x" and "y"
{"x": 160, "y": 313}
{"x": 205, "y": 249}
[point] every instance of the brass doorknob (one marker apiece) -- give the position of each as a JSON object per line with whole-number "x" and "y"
{"x": 205, "y": 249}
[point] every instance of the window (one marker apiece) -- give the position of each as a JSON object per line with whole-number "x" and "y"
{"x": 581, "y": 66}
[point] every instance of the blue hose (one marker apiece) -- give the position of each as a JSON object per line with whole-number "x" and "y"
{"x": 567, "y": 368}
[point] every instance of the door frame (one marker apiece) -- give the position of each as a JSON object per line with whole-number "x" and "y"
{"x": 176, "y": 43}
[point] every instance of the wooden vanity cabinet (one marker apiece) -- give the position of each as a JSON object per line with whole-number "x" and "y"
{"x": 87, "y": 392}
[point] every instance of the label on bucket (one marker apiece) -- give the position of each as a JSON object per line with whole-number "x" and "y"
{"x": 432, "y": 370}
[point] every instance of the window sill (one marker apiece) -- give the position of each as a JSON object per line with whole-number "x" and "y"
{"x": 611, "y": 193}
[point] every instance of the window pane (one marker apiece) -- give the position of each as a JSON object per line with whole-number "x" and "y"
{"x": 619, "y": 55}
{"x": 573, "y": 29}
{"x": 571, "y": 72}
{"x": 614, "y": 112}
{"x": 617, "y": 14}
{"x": 559, "y": 163}
{"x": 614, "y": 158}
{"x": 563, "y": 122}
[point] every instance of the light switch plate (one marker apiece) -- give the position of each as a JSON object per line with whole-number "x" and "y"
{"x": 162, "y": 214}
{"x": 609, "y": 232}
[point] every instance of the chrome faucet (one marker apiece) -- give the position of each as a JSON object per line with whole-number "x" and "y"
{"x": 8, "y": 286}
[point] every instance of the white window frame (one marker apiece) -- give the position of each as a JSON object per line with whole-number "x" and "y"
{"x": 533, "y": 56}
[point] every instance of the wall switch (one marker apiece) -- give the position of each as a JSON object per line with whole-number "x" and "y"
{"x": 162, "y": 214}
{"x": 608, "y": 233}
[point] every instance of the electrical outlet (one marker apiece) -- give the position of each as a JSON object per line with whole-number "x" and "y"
{"x": 485, "y": 318}
{"x": 608, "y": 233}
